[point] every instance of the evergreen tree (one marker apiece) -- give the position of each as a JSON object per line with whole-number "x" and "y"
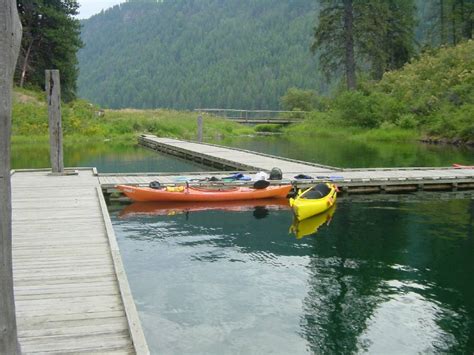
{"x": 386, "y": 36}
{"x": 448, "y": 21}
{"x": 51, "y": 39}
{"x": 379, "y": 34}
{"x": 334, "y": 39}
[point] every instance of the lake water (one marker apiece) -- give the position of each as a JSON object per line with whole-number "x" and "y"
{"x": 378, "y": 276}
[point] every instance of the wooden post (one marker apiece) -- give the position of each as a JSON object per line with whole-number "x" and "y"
{"x": 10, "y": 39}
{"x": 53, "y": 92}
{"x": 199, "y": 123}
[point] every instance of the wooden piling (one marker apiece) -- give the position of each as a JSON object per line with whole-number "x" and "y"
{"x": 199, "y": 125}
{"x": 53, "y": 92}
{"x": 10, "y": 39}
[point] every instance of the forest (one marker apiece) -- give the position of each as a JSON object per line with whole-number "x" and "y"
{"x": 246, "y": 54}
{"x": 207, "y": 53}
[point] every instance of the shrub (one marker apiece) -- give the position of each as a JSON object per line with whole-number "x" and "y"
{"x": 357, "y": 109}
{"x": 300, "y": 100}
{"x": 268, "y": 128}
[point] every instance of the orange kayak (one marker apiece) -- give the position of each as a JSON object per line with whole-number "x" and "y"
{"x": 459, "y": 166}
{"x": 194, "y": 194}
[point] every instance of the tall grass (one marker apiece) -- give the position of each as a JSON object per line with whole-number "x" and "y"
{"x": 82, "y": 119}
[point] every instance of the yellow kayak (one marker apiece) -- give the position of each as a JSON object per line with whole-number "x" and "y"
{"x": 312, "y": 224}
{"x": 314, "y": 200}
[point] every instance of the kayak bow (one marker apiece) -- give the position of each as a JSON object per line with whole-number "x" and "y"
{"x": 314, "y": 200}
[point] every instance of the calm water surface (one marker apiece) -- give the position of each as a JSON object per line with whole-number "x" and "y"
{"x": 382, "y": 277}
{"x": 355, "y": 154}
{"x": 107, "y": 157}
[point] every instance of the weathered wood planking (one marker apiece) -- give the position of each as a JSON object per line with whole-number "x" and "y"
{"x": 233, "y": 158}
{"x": 350, "y": 180}
{"x": 72, "y": 294}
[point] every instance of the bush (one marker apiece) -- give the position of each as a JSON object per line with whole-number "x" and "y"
{"x": 357, "y": 109}
{"x": 407, "y": 121}
{"x": 300, "y": 100}
{"x": 268, "y": 128}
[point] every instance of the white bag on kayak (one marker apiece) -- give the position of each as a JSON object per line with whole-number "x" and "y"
{"x": 261, "y": 175}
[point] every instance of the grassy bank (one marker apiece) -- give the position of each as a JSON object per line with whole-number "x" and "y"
{"x": 324, "y": 125}
{"x": 83, "y": 120}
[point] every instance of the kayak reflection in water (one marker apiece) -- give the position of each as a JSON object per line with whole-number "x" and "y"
{"x": 311, "y": 225}
{"x": 261, "y": 208}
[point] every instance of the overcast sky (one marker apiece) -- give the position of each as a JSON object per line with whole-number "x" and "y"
{"x": 92, "y": 7}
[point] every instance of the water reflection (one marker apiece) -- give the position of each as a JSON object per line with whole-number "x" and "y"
{"x": 384, "y": 277}
{"x": 310, "y": 226}
{"x": 354, "y": 153}
{"x": 261, "y": 208}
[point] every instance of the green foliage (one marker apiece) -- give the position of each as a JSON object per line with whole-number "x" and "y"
{"x": 391, "y": 25}
{"x": 270, "y": 128}
{"x": 300, "y": 100}
{"x": 198, "y": 54}
{"x": 445, "y": 22}
{"x": 51, "y": 39}
{"x": 81, "y": 118}
{"x": 433, "y": 95}
{"x": 378, "y": 34}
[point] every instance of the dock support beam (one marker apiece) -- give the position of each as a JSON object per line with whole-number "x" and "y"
{"x": 53, "y": 92}
{"x": 10, "y": 39}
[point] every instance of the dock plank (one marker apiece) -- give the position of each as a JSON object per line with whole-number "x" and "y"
{"x": 66, "y": 282}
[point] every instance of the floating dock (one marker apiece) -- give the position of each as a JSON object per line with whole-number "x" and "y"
{"x": 71, "y": 291}
{"x": 372, "y": 180}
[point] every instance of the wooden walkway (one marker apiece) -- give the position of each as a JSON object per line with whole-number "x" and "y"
{"x": 71, "y": 291}
{"x": 229, "y": 158}
{"x": 370, "y": 180}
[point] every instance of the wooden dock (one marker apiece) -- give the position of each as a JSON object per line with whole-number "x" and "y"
{"x": 71, "y": 291}
{"x": 372, "y": 180}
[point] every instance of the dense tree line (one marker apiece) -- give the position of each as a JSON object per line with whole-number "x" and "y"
{"x": 199, "y": 53}
{"x": 446, "y": 22}
{"x": 248, "y": 53}
{"x": 51, "y": 39}
{"x": 380, "y": 36}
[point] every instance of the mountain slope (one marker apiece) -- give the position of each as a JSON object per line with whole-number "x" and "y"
{"x": 198, "y": 53}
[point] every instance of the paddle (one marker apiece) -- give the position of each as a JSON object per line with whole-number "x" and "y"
{"x": 261, "y": 184}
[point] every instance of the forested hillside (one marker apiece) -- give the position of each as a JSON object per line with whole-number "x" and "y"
{"x": 199, "y": 53}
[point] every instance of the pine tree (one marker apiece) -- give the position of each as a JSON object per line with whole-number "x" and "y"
{"x": 452, "y": 20}
{"x": 334, "y": 39}
{"x": 385, "y": 34}
{"x": 374, "y": 34}
{"x": 51, "y": 39}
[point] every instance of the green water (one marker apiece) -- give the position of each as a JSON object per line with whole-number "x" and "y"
{"x": 382, "y": 277}
{"x": 355, "y": 154}
{"x": 107, "y": 157}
